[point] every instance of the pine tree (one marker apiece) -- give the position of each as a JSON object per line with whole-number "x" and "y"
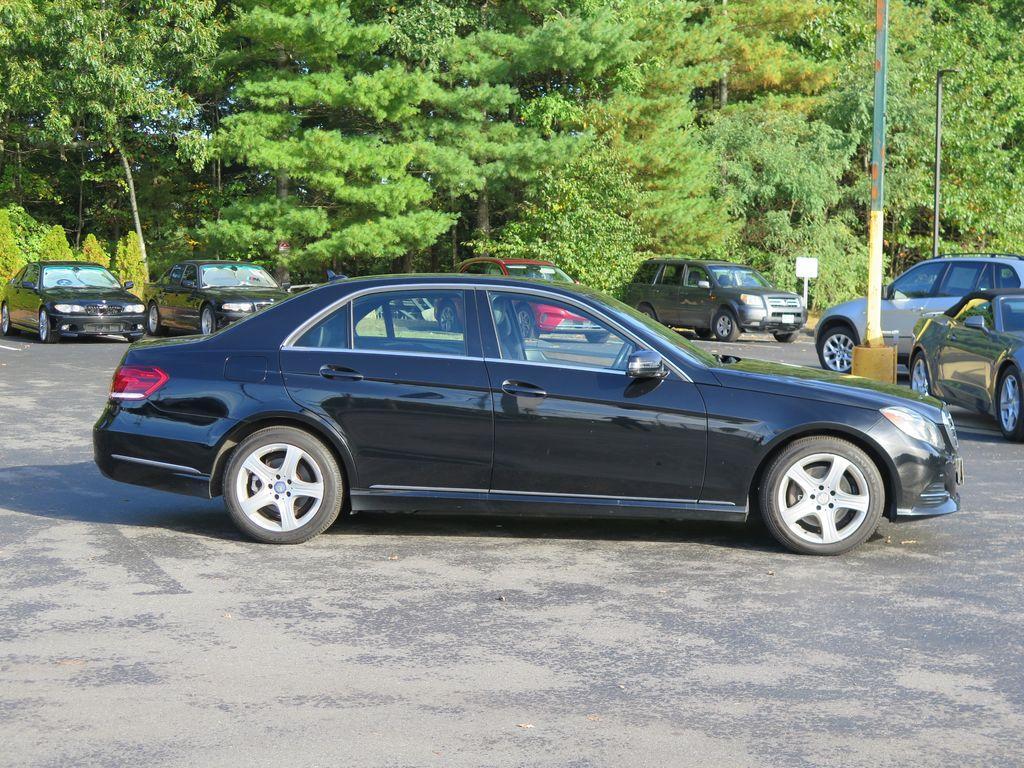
{"x": 11, "y": 258}
{"x": 93, "y": 252}
{"x": 54, "y": 245}
{"x": 316, "y": 130}
{"x": 128, "y": 263}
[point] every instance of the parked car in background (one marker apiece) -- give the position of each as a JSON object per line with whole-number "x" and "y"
{"x": 69, "y": 299}
{"x": 206, "y": 295}
{"x": 973, "y": 355}
{"x": 352, "y": 395}
{"x": 931, "y": 286}
{"x": 534, "y": 269}
{"x": 715, "y": 298}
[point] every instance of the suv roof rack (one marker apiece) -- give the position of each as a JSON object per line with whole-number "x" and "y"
{"x": 975, "y": 255}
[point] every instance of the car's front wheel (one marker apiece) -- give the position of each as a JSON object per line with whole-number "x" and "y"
{"x": 822, "y": 496}
{"x": 524, "y": 318}
{"x": 724, "y": 326}
{"x": 919, "y": 379}
{"x": 46, "y": 333}
{"x": 5, "y": 320}
{"x": 1009, "y": 404}
{"x": 787, "y": 338}
{"x": 283, "y": 486}
{"x": 835, "y": 349}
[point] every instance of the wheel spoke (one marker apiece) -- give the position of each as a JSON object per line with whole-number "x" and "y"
{"x": 290, "y": 465}
{"x": 827, "y": 521}
{"x": 253, "y": 504}
{"x": 258, "y": 468}
{"x": 799, "y": 476}
{"x": 285, "y": 507}
{"x": 834, "y": 478}
{"x": 800, "y": 510}
{"x": 310, "y": 490}
{"x": 854, "y": 502}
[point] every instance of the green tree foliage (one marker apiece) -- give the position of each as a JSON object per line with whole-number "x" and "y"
{"x": 11, "y": 257}
{"x": 128, "y": 263}
{"x": 93, "y": 251}
{"x": 54, "y": 246}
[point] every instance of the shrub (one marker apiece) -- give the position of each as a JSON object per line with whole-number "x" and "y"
{"x": 54, "y": 246}
{"x": 11, "y": 257}
{"x": 128, "y": 264}
{"x": 94, "y": 252}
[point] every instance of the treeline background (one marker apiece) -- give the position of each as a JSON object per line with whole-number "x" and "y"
{"x": 411, "y": 134}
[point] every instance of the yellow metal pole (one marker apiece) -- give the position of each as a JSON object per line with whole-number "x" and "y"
{"x": 873, "y": 336}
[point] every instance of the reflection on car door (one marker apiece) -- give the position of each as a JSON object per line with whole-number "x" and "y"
{"x": 568, "y": 421}
{"x": 694, "y": 304}
{"x": 188, "y": 300}
{"x": 27, "y": 299}
{"x": 166, "y": 296}
{"x": 965, "y": 360}
{"x": 397, "y": 372}
{"x": 665, "y": 293}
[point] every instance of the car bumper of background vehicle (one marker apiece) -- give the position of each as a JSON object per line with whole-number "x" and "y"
{"x": 226, "y": 318}
{"x": 97, "y": 325}
{"x": 758, "y": 319}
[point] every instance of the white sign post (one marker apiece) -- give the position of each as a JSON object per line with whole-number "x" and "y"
{"x": 807, "y": 268}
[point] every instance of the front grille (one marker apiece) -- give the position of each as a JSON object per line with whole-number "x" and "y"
{"x": 784, "y": 301}
{"x": 102, "y": 309}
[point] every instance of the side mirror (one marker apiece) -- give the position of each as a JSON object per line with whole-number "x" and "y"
{"x": 129, "y": 284}
{"x": 977, "y": 322}
{"x": 646, "y": 364}
{"x": 286, "y": 286}
{"x": 188, "y": 283}
{"x": 887, "y": 291}
{"x": 28, "y": 285}
{"x": 704, "y": 284}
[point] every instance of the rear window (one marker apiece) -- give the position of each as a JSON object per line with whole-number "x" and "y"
{"x": 646, "y": 273}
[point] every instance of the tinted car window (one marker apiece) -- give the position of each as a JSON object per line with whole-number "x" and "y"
{"x": 645, "y": 274}
{"x": 189, "y": 273}
{"x": 16, "y": 280}
{"x": 31, "y": 274}
{"x": 960, "y": 279}
{"x": 418, "y": 321}
{"x": 672, "y": 274}
{"x": 477, "y": 268}
{"x": 1006, "y": 276}
{"x": 329, "y": 333}
{"x": 542, "y": 330}
{"x": 918, "y": 282}
{"x": 695, "y": 275}
{"x": 1011, "y": 312}
{"x": 175, "y": 274}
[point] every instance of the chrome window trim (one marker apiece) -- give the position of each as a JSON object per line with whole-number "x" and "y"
{"x": 560, "y": 366}
{"x": 398, "y": 353}
{"x": 383, "y": 487}
{"x": 159, "y": 464}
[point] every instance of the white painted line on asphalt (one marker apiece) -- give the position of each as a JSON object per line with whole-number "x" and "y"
{"x": 13, "y": 349}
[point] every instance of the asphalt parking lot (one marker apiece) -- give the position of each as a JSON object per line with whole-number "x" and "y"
{"x": 138, "y": 628}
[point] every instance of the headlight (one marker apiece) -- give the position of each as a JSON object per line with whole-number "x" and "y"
{"x": 754, "y": 301}
{"x": 69, "y": 309}
{"x": 135, "y": 308}
{"x": 947, "y": 420}
{"x": 914, "y": 424}
{"x": 237, "y": 306}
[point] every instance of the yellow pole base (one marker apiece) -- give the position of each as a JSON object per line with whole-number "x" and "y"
{"x": 878, "y": 363}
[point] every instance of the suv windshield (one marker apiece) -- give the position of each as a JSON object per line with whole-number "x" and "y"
{"x": 235, "y": 276}
{"x": 78, "y": 277}
{"x": 737, "y": 277}
{"x": 538, "y": 272}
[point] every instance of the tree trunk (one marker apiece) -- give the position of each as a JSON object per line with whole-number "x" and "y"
{"x": 135, "y": 205}
{"x": 81, "y": 194}
{"x": 483, "y": 218}
{"x": 281, "y": 272}
{"x": 723, "y": 84}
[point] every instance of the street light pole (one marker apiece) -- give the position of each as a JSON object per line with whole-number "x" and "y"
{"x": 938, "y": 157}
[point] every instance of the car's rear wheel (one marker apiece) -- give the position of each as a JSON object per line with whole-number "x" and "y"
{"x": 920, "y": 381}
{"x": 207, "y": 320}
{"x": 703, "y": 333}
{"x": 524, "y": 319}
{"x": 822, "y": 496}
{"x": 648, "y": 310}
{"x": 448, "y": 318}
{"x": 835, "y": 349}
{"x": 724, "y": 326}
{"x": 46, "y": 333}
{"x": 1008, "y": 401}
{"x": 5, "y": 320}
{"x": 787, "y": 338}
{"x": 283, "y": 486}
{"x": 153, "y": 325}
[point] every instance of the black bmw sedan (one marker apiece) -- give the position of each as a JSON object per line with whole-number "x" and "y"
{"x": 356, "y": 396}
{"x": 69, "y": 299}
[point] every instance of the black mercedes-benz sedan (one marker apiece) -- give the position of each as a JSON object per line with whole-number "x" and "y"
{"x": 69, "y": 299}
{"x": 206, "y": 295}
{"x": 356, "y": 396}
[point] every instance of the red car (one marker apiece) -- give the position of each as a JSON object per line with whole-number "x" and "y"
{"x": 535, "y": 319}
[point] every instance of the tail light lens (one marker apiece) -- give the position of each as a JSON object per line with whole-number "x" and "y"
{"x": 136, "y": 382}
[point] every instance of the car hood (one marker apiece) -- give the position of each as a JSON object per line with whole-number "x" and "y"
{"x": 824, "y": 386}
{"x": 78, "y": 295}
{"x": 241, "y": 293}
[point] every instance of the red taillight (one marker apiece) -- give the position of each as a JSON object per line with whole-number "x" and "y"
{"x": 136, "y": 382}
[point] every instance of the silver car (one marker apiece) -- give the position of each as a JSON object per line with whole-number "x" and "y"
{"x": 929, "y": 287}
{"x": 973, "y": 355}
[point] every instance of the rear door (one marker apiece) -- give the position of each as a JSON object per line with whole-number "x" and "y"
{"x": 187, "y": 300}
{"x": 411, "y": 399}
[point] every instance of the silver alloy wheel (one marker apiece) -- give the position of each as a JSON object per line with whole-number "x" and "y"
{"x": 919, "y": 377}
{"x": 153, "y": 319}
{"x": 206, "y": 321}
{"x": 280, "y": 487}
{"x": 5, "y": 319}
{"x": 723, "y": 327}
{"x": 1009, "y": 403}
{"x": 838, "y": 352}
{"x": 823, "y": 498}
{"x": 44, "y": 326}
{"x": 525, "y": 319}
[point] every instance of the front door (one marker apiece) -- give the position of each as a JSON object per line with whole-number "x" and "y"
{"x": 410, "y": 396}
{"x": 965, "y": 360}
{"x": 694, "y": 298}
{"x": 186, "y": 299}
{"x": 665, "y": 293}
{"x": 569, "y": 423}
{"x": 26, "y": 300}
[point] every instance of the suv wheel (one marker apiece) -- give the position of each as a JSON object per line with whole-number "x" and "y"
{"x": 787, "y": 338}
{"x": 724, "y": 326}
{"x": 835, "y": 349}
{"x": 648, "y": 310}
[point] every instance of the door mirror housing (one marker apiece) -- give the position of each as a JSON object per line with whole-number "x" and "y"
{"x": 887, "y": 291}
{"x": 977, "y": 322}
{"x": 704, "y": 284}
{"x": 28, "y": 285}
{"x": 188, "y": 283}
{"x": 646, "y": 364}
{"x": 129, "y": 284}
{"x": 286, "y": 286}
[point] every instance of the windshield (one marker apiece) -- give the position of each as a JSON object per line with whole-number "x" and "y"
{"x": 78, "y": 277}
{"x": 664, "y": 332}
{"x": 738, "y": 277}
{"x": 235, "y": 276}
{"x": 538, "y": 272}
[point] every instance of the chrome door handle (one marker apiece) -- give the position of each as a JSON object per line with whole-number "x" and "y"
{"x": 521, "y": 389}
{"x": 340, "y": 372}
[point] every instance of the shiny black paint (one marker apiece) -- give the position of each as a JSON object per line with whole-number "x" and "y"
{"x": 439, "y": 434}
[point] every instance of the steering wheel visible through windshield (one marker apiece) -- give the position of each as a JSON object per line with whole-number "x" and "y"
{"x": 235, "y": 276}
{"x": 738, "y": 277}
{"x": 78, "y": 277}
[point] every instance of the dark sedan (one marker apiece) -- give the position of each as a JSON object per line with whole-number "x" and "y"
{"x": 353, "y": 396}
{"x": 206, "y": 295}
{"x": 973, "y": 354}
{"x": 58, "y": 299}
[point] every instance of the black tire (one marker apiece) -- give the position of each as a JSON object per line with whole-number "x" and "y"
{"x": 918, "y": 359}
{"x": 1012, "y": 430}
{"x": 787, "y": 338}
{"x": 206, "y": 314}
{"x": 703, "y": 333}
{"x": 133, "y": 337}
{"x": 448, "y": 318}
{"x": 525, "y": 322}
{"x": 844, "y": 338}
{"x": 867, "y": 473}
{"x": 648, "y": 310}
{"x": 724, "y": 326}
{"x": 6, "y": 327}
{"x": 154, "y": 326}
{"x": 597, "y": 337}
{"x": 45, "y": 329}
{"x": 333, "y": 485}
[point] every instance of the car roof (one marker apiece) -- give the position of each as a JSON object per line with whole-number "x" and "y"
{"x": 951, "y": 256}
{"x": 540, "y": 262}
{"x": 987, "y": 295}
{"x": 207, "y": 262}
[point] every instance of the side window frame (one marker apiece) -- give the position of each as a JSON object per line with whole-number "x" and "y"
{"x": 27, "y": 276}
{"x": 941, "y": 284}
{"x": 171, "y": 279}
{"x": 695, "y": 268}
{"x": 934, "y": 291}
{"x": 185, "y": 274}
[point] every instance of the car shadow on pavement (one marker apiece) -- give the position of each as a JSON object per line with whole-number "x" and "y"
{"x": 79, "y": 493}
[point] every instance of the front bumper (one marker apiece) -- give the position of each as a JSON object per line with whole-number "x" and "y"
{"x": 226, "y": 318}
{"x": 98, "y": 325}
{"x": 772, "y": 319}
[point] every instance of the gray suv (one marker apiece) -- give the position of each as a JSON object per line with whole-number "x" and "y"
{"x": 715, "y": 298}
{"x": 929, "y": 287}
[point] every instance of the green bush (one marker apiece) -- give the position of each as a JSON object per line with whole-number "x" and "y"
{"x": 93, "y": 251}
{"x": 128, "y": 264}
{"x": 54, "y": 246}
{"x": 11, "y": 257}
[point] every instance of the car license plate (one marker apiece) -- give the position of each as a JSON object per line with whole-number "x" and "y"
{"x": 789, "y": 319}
{"x": 958, "y": 465}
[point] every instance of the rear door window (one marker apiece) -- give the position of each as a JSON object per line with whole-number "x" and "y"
{"x": 672, "y": 274}
{"x": 960, "y": 279}
{"x": 645, "y": 274}
{"x": 1006, "y": 276}
{"x": 420, "y": 321}
{"x": 175, "y": 274}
